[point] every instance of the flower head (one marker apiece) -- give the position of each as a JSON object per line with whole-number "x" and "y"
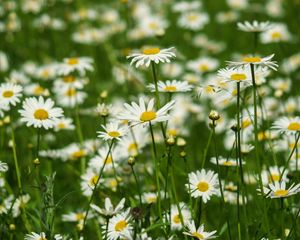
{"x": 278, "y": 190}
{"x": 112, "y": 131}
{"x": 10, "y": 93}
{"x": 198, "y": 233}
{"x": 149, "y": 55}
{"x": 254, "y": 26}
{"x": 171, "y": 86}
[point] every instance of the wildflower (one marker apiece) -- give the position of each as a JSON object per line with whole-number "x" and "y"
{"x": 176, "y": 221}
{"x": 142, "y": 113}
{"x": 109, "y": 209}
{"x": 288, "y": 125}
{"x": 40, "y": 113}
{"x": 193, "y": 20}
{"x": 203, "y": 65}
{"x": 255, "y": 26}
{"x": 255, "y": 60}
{"x": 149, "y": 55}
{"x": 112, "y": 131}
{"x": 3, "y": 167}
{"x": 119, "y": 226}
{"x": 35, "y": 236}
{"x": 225, "y": 162}
{"x": 278, "y": 190}
{"x": 278, "y": 33}
{"x": 10, "y": 93}
{"x": 64, "y": 124}
{"x": 272, "y": 174}
{"x": 203, "y": 184}
{"x": 80, "y": 64}
{"x": 199, "y": 233}
{"x": 171, "y": 86}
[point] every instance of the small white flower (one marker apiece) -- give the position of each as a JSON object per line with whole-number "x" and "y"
{"x": 199, "y": 233}
{"x": 171, "y": 86}
{"x": 278, "y": 190}
{"x": 109, "y": 209}
{"x": 3, "y": 167}
{"x": 80, "y": 64}
{"x": 10, "y": 93}
{"x": 112, "y": 131}
{"x": 40, "y": 113}
{"x": 287, "y": 125}
{"x": 35, "y": 236}
{"x": 149, "y": 55}
{"x": 254, "y": 26}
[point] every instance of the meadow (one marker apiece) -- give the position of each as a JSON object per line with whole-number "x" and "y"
{"x": 140, "y": 120}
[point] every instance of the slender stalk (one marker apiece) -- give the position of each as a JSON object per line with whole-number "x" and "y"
{"x": 206, "y": 149}
{"x": 156, "y": 171}
{"x": 155, "y": 84}
{"x": 239, "y": 154}
{"x": 106, "y": 227}
{"x": 16, "y": 161}
{"x": 95, "y": 187}
{"x": 137, "y": 184}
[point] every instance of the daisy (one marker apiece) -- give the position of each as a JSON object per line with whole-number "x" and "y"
{"x": 89, "y": 180}
{"x": 235, "y": 75}
{"x": 225, "y": 162}
{"x": 40, "y": 113}
{"x": 171, "y": 86}
{"x": 101, "y": 158}
{"x": 278, "y": 33}
{"x": 77, "y": 216}
{"x": 142, "y": 113}
{"x": 119, "y": 226}
{"x": 64, "y": 124}
{"x": 109, "y": 209}
{"x": 149, "y": 197}
{"x": 10, "y": 93}
{"x": 203, "y": 184}
{"x": 70, "y": 96}
{"x": 112, "y": 131}
{"x": 199, "y": 233}
{"x": 255, "y": 26}
{"x": 80, "y": 64}
{"x": 278, "y": 190}
{"x": 203, "y": 65}
{"x": 3, "y": 167}
{"x": 35, "y": 236}
{"x": 149, "y": 55}
{"x": 176, "y": 223}
{"x": 255, "y": 60}
{"x": 193, "y": 20}
{"x": 288, "y": 125}
{"x": 273, "y": 174}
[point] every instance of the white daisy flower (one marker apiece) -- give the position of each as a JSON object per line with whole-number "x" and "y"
{"x": 199, "y": 233}
{"x": 142, "y": 113}
{"x": 89, "y": 180}
{"x": 254, "y": 26}
{"x": 101, "y": 158}
{"x": 3, "y": 108}
{"x": 176, "y": 223}
{"x": 203, "y": 184}
{"x": 278, "y": 33}
{"x": 77, "y": 216}
{"x": 3, "y": 167}
{"x": 273, "y": 174}
{"x": 109, "y": 209}
{"x": 35, "y": 236}
{"x": 80, "y": 64}
{"x": 19, "y": 204}
{"x": 40, "y": 113}
{"x": 203, "y": 65}
{"x": 225, "y": 162}
{"x": 36, "y": 89}
{"x": 149, "y": 55}
{"x": 70, "y": 97}
{"x": 288, "y": 125}
{"x": 119, "y": 226}
{"x": 258, "y": 61}
{"x": 278, "y": 190}
{"x": 171, "y": 86}
{"x": 193, "y": 20}
{"x": 112, "y": 131}
{"x": 64, "y": 124}
{"x": 241, "y": 74}
{"x": 149, "y": 197}
{"x": 10, "y": 93}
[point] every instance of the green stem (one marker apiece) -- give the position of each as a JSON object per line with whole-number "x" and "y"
{"x": 206, "y": 149}
{"x": 137, "y": 184}
{"x": 16, "y": 161}
{"x": 95, "y": 187}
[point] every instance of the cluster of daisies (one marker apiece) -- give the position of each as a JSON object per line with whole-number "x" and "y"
{"x": 175, "y": 136}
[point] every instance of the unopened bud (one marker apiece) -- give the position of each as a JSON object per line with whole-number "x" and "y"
{"x": 36, "y": 162}
{"x": 182, "y": 154}
{"x": 131, "y": 161}
{"x": 181, "y": 142}
{"x": 104, "y": 94}
{"x": 171, "y": 141}
{"x": 12, "y": 227}
{"x": 6, "y": 120}
{"x": 214, "y": 115}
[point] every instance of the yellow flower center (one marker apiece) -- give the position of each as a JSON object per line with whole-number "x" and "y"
{"x": 294, "y": 126}
{"x": 133, "y": 149}
{"x": 94, "y": 180}
{"x": 176, "y": 219}
{"x": 70, "y": 92}
{"x": 42, "y": 238}
{"x": 78, "y": 154}
{"x": 197, "y": 235}
{"x": 170, "y": 88}
{"x": 113, "y": 183}
{"x": 252, "y": 59}
{"x": 151, "y": 51}
{"x": 69, "y": 79}
{"x": 192, "y": 18}
{"x": 281, "y": 193}
{"x": 172, "y": 132}
{"x": 41, "y": 114}
{"x": 8, "y": 94}
{"x": 61, "y": 125}
{"x": 121, "y": 225}
{"x": 202, "y": 186}
{"x": 38, "y": 90}
{"x": 274, "y": 178}
{"x": 209, "y": 89}
{"x": 238, "y": 76}
{"x": 203, "y": 67}
{"x": 276, "y": 35}
{"x": 151, "y": 199}
{"x": 108, "y": 160}
{"x": 114, "y": 134}
{"x": 147, "y": 116}
{"x": 79, "y": 216}
{"x": 72, "y": 61}
{"x": 246, "y": 123}
{"x": 227, "y": 163}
